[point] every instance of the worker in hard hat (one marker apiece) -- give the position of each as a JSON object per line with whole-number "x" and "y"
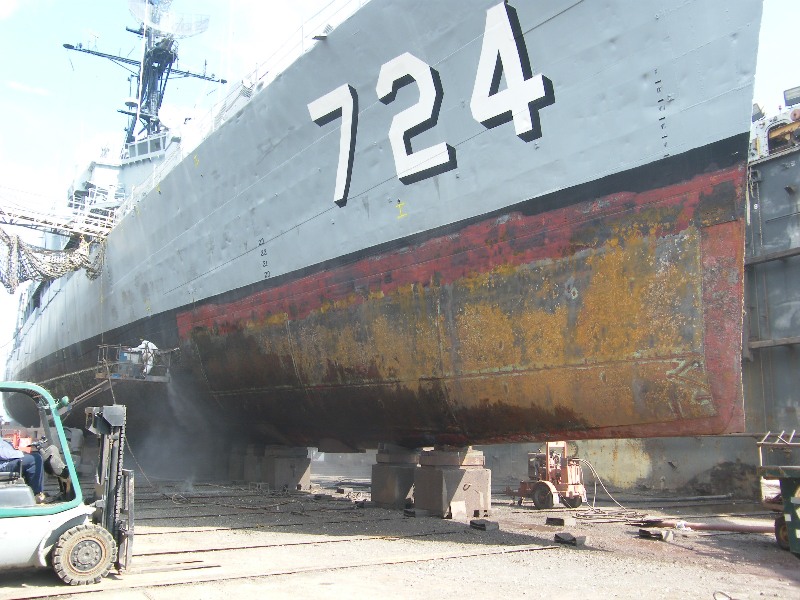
{"x": 31, "y": 465}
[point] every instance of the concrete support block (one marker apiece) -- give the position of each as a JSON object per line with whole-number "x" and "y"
{"x": 392, "y": 485}
{"x": 284, "y": 468}
{"x": 236, "y": 463}
{"x": 393, "y": 476}
{"x": 251, "y": 468}
{"x": 453, "y": 484}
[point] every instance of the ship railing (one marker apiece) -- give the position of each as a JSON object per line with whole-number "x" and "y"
{"x": 94, "y": 220}
{"x": 312, "y": 30}
{"x": 91, "y": 221}
{"x": 101, "y": 195}
{"x": 779, "y": 455}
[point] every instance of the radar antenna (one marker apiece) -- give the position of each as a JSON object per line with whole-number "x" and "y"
{"x": 155, "y": 15}
{"x": 159, "y": 28}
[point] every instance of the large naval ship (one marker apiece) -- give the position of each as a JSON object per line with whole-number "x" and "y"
{"x": 445, "y": 223}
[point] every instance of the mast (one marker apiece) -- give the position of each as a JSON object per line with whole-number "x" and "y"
{"x": 159, "y": 28}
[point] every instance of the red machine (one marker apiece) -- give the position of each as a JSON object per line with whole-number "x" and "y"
{"x": 553, "y": 475}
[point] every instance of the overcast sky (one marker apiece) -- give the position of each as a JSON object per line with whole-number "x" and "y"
{"x": 58, "y": 107}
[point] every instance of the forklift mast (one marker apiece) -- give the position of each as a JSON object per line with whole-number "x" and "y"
{"x": 113, "y": 484}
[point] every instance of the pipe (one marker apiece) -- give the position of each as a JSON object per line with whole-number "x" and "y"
{"x": 717, "y": 527}
{"x": 667, "y": 499}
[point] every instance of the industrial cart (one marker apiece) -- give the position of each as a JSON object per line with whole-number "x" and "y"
{"x": 779, "y": 458}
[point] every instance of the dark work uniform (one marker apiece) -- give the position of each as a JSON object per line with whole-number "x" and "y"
{"x": 32, "y": 471}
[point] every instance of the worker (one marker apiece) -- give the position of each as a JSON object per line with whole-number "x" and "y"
{"x": 148, "y": 355}
{"x": 31, "y": 465}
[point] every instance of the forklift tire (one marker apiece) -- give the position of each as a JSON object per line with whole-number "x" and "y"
{"x": 782, "y": 532}
{"x": 84, "y": 554}
{"x": 573, "y": 502}
{"x": 542, "y": 496}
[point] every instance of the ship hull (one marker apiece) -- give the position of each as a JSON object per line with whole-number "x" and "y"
{"x": 615, "y": 316}
{"x": 524, "y": 291}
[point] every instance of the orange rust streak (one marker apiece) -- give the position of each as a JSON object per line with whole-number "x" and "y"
{"x": 525, "y": 240}
{"x": 616, "y": 315}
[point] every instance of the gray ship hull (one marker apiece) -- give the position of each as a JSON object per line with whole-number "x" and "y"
{"x": 447, "y": 225}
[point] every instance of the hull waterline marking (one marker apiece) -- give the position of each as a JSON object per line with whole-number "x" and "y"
{"x": 264, "y": 257}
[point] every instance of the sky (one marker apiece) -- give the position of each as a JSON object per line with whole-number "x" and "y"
{"x": 58, "y": 107}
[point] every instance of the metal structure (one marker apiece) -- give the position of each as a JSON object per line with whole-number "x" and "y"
{"x": 114, "y": 484}
{"x": 159, "y": 29}
{"x": 80, "y": 538}
{"x": 85, "y": 229}
{"x": 124, "y": 363}
{"x": 552, "y": 474}
{"x": 772, "y": 294}
{"x": 89, "y": 221}
{"x": 117, "y": 363}
{"x": 779, "y": 458}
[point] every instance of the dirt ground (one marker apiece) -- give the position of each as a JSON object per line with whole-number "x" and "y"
{"x": 225, "y": 540}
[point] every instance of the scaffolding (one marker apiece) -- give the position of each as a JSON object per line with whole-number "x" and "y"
{"x": 21, "y": 261}
{"x": 92, "y": 221}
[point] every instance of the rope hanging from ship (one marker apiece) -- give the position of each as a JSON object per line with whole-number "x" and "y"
{"x": 20, "y": 261}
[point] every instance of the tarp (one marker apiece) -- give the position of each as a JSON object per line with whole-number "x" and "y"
{"x": 20, "y": 261}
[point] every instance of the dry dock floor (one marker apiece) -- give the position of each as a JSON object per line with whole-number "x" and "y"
{"x": 210, "y": 540}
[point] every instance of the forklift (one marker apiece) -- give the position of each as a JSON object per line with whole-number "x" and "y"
{"x": 81, "y": 538}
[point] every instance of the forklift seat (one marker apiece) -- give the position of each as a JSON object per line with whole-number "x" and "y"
{"x": 11, "y": 470}
{"x": 14, "y": 492}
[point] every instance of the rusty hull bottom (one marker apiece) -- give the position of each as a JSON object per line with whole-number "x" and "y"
{"x": 583, "y": 314}
{"x": 615, "y": 317}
